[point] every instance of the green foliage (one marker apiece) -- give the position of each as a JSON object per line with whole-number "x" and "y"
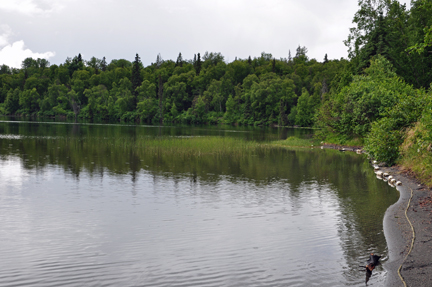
{"x": 384, "y": 140}
{"x": 136, "y": 79}
{"x": 199, "y": 109}
{"x": 147, "y": 109}
{"x": 416, "y": 150}
{"x": 231, "y": 111}
{"x": 388, "y": 133}
{"x": 100, "y": 104}
{"x": 292, "y": 116}
{"x": 11, "y": 104}
{"x": 56, "y": 97}
{"x": 366, "y": 99}
{"x": 421, "y": 47}
{"x": 258, "y": 91}
{"x": 305, "y": 110}
{"x": 386, "y": 27}
{"x": 29, "y": 101}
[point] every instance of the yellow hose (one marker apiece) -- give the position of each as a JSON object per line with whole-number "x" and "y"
{"x": 412, "y": 241}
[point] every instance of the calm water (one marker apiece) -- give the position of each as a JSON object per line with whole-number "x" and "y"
{"x": 79, "y": 209}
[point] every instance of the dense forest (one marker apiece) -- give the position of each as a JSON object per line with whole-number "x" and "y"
{"x": 379, "y": 97}
{"x": 259, "y": 91}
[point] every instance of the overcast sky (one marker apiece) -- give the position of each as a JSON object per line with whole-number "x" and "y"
{"x": 57, "y": 29}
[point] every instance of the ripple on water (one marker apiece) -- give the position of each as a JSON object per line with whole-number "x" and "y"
{"x": 167, "y": 229}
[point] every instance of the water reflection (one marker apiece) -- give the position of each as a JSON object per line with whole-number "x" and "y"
{"x": 31, "y": 128}
{"x": 84, "y": 201}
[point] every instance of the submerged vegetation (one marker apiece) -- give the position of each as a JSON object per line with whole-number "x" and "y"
{"x": 188, "y": 146}
{"x": 380, "y": 97}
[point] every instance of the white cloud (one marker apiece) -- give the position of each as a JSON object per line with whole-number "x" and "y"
{"x": 4, "y": 36}
{"x": 13, "y": 54}
{"x": 30, "y": 7}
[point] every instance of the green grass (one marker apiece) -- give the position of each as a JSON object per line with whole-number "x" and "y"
{"x": 416, "y": 154}
{"x": 419, "y": 163}
{"x": 343, "y": 140}
{"x": 296, "y": 142}
{"x": 191, "y": 146}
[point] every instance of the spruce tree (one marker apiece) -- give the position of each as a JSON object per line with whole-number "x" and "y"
{"x": 159, "y": 61}
{"x": 136, "y": 79}
{"x": 103, "y": 64}
{"x": 179, "y": 62}
{"x": 325, "y": 59}
{"x": 198, "y": 64}
{"x": 76, "y": 64}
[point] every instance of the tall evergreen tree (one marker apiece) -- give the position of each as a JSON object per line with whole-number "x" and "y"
{"x": 325, "y": 59}
{"x": 136, "y": 79}
{"x": 179, "y": 62}
{"x": 103, "y": 64}
{"x": 301, "y": 52}
{"x": 198, "y": 64}
{"x": 159, "y": 60}
{"x": 76, "y": 64}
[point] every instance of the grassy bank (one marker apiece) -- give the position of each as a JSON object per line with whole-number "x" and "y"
{"x": 416, "y": 153}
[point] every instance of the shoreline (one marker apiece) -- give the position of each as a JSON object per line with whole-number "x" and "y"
{"x": 407, "y": 258}
{"x": 416, "y": 266}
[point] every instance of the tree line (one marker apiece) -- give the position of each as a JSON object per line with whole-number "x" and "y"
{"x": 207, "y": 89}
{"x": 375, "y": 97}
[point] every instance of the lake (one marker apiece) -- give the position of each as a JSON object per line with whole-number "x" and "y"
{"x": 124, "y": 205}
